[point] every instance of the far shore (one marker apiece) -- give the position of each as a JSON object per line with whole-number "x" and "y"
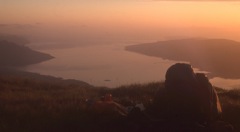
{"x": 220, "y": 57}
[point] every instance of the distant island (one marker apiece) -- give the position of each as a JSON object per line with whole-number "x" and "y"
{"x": 220, "y": 57}
{"x": 16, "y": 55}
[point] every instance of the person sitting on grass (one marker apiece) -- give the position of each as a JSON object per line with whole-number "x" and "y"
{"x": 188, "y": 101}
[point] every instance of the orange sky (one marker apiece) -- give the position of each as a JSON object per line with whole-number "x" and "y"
{"x": 144, "y": 13}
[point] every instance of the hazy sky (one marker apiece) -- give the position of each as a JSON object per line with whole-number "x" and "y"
{"x": 132, "y": 12}
{"x": 126, "y": 14}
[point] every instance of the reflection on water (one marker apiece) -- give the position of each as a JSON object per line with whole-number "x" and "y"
{"x": 108, "y": 65}
{"x": 226, "y": 83}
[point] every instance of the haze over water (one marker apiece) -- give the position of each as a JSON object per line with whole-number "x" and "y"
{"x": 110, "y": 65}
{"x": 103, "y": 65}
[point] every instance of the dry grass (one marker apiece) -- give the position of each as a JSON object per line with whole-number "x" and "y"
{"x": 31, "y": 105}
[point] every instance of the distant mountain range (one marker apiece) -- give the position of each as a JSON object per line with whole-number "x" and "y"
{"x": 20, "y": 26}
{"x": 19, "y": 40}
{"x": 15, "y": 55}
{"x": 220, "y": 57}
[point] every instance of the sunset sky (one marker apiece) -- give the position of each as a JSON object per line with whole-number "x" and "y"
{"x": 132, "y": 14}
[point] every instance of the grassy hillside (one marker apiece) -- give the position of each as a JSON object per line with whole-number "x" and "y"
{"x": 29, "y": 104}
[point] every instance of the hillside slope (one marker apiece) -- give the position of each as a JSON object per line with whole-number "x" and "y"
{"x": 15, "y": 55}
{"x": 221, "y": 57}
